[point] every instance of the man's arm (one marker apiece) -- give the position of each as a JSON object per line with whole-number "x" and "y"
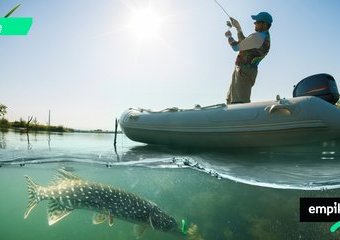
{"x": 237, "y": 25}
{"x": 254, "y": 40}
{"x": 240, "y": 35}
{"x": 233, "y": 43}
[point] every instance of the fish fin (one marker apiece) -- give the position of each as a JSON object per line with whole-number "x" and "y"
{"x": 110, "y": 220}
{"x": 32, "y": 196}
{"x": 99, "y": 218}
{"x": 56, "y": 212}
{"x": 139, "y": 230}
{"x": 150, "y": 221}
{"x": 65, "y": 175}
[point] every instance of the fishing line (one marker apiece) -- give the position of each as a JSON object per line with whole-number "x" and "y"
{"x": 228, "y": 22}
{"x": 222, "y": 8}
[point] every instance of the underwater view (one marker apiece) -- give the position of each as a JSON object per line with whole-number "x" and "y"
{"x": 210, "y": 195}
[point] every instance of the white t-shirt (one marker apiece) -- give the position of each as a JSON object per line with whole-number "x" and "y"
{"x": 254, "y": 40}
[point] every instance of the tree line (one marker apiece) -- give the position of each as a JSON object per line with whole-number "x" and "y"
{"x": 31, "y": 124}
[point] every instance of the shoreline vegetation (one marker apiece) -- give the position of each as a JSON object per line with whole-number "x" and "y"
{"x": 25, "y": 126}
{"x": 32, "y": 125}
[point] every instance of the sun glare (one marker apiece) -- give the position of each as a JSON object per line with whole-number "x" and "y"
{"x": 146, "y": 24}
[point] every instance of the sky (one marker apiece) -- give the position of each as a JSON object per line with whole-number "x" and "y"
{"x": 89, "y": 61}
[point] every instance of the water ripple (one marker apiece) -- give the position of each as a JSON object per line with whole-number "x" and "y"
{"x": 305, "y": 168}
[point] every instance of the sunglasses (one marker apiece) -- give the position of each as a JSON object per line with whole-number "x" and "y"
{"x": 258, "y": 22}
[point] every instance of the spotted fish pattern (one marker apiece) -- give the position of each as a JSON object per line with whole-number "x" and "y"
{"x": 69, "y": 192}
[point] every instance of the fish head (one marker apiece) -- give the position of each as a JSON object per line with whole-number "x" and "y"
{"x": 162, "y": 221}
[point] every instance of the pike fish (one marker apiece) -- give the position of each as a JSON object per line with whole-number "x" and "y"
{"x": 69, "y": 192}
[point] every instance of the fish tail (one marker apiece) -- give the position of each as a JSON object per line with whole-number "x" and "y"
{"x": 33, "y": 199}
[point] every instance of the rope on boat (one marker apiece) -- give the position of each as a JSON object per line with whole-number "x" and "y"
{"x": 176, "y": 109}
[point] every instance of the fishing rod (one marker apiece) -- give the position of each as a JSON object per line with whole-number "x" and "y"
{"x": 228, "y": 22}
{"x": 222, "y": 8}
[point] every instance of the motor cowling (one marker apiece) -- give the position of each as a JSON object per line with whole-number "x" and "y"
{"x": 319, "y": 85}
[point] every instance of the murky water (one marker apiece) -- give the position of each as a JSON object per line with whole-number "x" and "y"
{"x": 235, "y": 194}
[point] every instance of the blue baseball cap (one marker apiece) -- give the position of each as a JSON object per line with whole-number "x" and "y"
{"x": 263, "y": 17}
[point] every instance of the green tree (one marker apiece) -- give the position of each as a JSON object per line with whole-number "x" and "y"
{"x": 3, "y": 110}
{"x": 4, "y": 124}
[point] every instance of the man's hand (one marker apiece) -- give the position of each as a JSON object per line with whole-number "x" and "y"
{"x": 228, "y": 34}
{"x": 235, "y": 23}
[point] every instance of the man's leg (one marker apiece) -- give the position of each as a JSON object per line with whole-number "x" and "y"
{"x": 244, "y": 82}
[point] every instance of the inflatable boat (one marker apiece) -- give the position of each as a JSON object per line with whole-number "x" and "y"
{"x": 310, "y": 116}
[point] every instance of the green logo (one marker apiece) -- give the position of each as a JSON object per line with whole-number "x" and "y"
{"x": 334, "y": 227}
{"x": 15, "y": 26}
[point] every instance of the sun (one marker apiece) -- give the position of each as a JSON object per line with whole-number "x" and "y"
{"x": 146, "y": 24}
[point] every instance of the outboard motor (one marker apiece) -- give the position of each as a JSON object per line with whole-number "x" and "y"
{"x": 319, "y": 85}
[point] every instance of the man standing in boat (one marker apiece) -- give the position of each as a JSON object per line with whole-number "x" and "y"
{"x": 252, "y": 50}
